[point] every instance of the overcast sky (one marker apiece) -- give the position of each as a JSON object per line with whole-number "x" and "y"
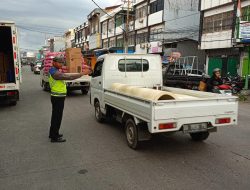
{"x": 51, "y": 16}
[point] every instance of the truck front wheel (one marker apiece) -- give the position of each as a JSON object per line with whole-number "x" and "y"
{"x": 84, "y": 91}
{"x": 98, "y": 113}
{"x": 200, "y": 136}
{"x": 131, "y": 134}
{"x": 13, "y": 103}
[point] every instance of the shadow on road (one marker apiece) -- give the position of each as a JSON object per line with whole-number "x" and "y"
{"x": 175, "y": 143}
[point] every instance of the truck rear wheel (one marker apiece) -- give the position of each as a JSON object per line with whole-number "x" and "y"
{"x": 13, "y": 103}
{"x": 98, "y": 113}
{"x": 200, "y": 136}
{"x": 131, "y": 134}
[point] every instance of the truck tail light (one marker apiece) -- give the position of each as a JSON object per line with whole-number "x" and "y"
{"x": 223, "y": 120}
{"x": 167, "y": 126}
{"x": 11, "y": 93}
{"x": 17, "y": 71}
{"x": 15, "y": 55}
{"x": 14, "y": 40}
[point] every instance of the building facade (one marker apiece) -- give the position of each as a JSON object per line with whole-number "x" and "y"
{"x": 164, "y": 27}
{"x": 113, "y": 30}
{"x": 155, "y": 26}
{"x": 69, "y": 36}
{"x": 242, "y": 36}
{"x": 95, "y": 29}
{"x": 220, "y": 35}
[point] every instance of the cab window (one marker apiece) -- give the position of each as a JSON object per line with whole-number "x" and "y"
{"x": 133, "y": 65}
{"x": 98, "y": 69}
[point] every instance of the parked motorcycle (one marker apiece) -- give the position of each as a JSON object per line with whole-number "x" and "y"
{"x": 236, "y": 83}
{"x": 223, "y": 89}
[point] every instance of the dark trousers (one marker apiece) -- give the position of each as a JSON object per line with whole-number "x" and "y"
{"x": 56, "y": 117}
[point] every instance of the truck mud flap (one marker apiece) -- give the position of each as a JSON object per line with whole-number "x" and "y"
{"x": 143, "y": 133}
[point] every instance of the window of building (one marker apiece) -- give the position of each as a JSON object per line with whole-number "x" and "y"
{"x": 112, "y": 42}
{"x": 156, "y": 6}
{"x": 87, "y": 31}
{"x": 141, "y": 12}
{"x": 105, "y": 44}
{"x": 245, "y": 13}
{"x": 141, "y": 38}
{"x": 111, "y": 25}
{"x": 76, "y": 36}
{"x": 218, "y": 22}
{"x": 118, "y": 20}
{"x": 120, "y": 42}
{"x": 83, "y": 33}
{"x": 131, "y": 39}
{"x": 133, "y": 65}
{"x": 104, "y": 27}
{"x": 156, "y": 34}
{"x": 227, "y": 21}
{"x": 79, "y": 35}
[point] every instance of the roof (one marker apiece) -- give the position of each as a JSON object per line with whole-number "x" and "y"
{"x": 112, "y": 13}
{"x": 6, "y": 22}
{"x": 112, "y": 7}
{"x": 127, "y": 54}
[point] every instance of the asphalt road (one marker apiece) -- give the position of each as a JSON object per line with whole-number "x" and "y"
{"x": 96, "y": 156}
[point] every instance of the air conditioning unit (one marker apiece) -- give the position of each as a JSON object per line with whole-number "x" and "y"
{"x": 142, "y": 46}
{"x": 141, "y": 20}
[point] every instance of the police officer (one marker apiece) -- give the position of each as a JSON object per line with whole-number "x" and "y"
{"x": 58, "y": 94}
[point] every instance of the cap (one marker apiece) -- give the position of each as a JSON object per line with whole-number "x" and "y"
{"x": 216, "y": 70}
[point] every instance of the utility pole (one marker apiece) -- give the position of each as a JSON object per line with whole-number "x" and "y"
{"x": 127, "y": 27}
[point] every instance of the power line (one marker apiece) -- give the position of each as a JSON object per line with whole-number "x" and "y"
{"x": 182, "y": 17}
{"x": 38, "y": 31}
{"x": 34, "y": 25}
{"x": 106, "y": 13}
{"x": 42, "y": 28}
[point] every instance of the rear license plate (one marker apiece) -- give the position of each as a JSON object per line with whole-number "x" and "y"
{"x": 196, "y": 127}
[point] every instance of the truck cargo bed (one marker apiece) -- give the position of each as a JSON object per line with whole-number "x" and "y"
{"x": 204, "y": 108}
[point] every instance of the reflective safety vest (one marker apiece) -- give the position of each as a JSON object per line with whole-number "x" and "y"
{"x": 58, "y": 87}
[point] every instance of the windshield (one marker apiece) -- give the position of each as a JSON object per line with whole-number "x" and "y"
{"x": 39, "y": 63}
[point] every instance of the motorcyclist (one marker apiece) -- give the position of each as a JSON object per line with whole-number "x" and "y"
{"x": 215, "y": 81}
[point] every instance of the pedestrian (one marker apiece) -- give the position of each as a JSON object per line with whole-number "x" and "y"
{"x": 215, "y": 81}
{"x": 58, "y": 94}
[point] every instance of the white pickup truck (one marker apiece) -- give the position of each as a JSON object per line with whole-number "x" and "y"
{"x": 141, "y": 117}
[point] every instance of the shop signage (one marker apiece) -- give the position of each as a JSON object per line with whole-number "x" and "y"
{"x": 244, "y": 32}
{"x": 176, "y": 55}
{"x": 155, "y": 47}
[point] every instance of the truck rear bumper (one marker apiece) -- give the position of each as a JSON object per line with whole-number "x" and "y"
{"x": 77, "y": 86}
{"x": 192, "y": 124}
{"x": 9, "y": 96}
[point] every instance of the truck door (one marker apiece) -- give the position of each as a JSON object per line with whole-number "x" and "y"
{"x": 16, "y": 42}
{"x": 97, "y": 83}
